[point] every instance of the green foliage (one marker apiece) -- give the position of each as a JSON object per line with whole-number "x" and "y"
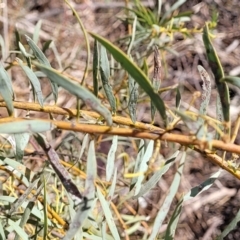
{"x": 88, "y": 177}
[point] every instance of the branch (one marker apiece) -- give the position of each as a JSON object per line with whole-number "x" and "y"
{"x": 137, "y": 130}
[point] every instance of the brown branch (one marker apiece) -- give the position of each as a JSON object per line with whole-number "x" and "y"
{"x": 73, "y": 113}
{"x": 140, "y": 130}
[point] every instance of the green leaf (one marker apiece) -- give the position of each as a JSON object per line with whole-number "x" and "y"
{"x": 110, "y": 166}
{"x": 84, "y": 145}
{"x": 162, "y": 213}
{"x": 2, "y": 234}
{"x": 45, "y": 212}
{"x": 86, "y": 205}
{"x": 217, "y": 70}
{"x": 157, "y": 176}
{"x": 35, "y": 211}
{"x": 105, "y": 76}
{"x": 108, "y": 215}
{"x": 23, "y": 50}
{"x": 233, "y": 80}
{"x": 23, "y": 197}
{"x": 132, "y": 37}
{"x": 21, "y": 140}
{"x": 203, "y": 186}
{"x": 205, "y": 97}
{"x": 113, "y": 185}
{"x": 133, "y": 98}
{"x": 26, "y": 126}
{"x": 95, "y": 67}
{"x": 78, "y": 91}
{"x": 135, "y": 72}
{"x": 20, "y": 169}
{"x": 172, "y": 225}
{"x": 156, "y": 82}
{"x": 175, "y": 6}
{"x": 37, "y": 31}
{"x": 19, "y": 231}
{"x": 46, "y": 45}
{"x": 178, "y": 98}
{"x": 34, "y": 80}
{"x": 206, "y": 93}
{"x": 6, "y": 90}
{"x": 25, "y": 217}
{"x": 144, "y": 165}
{"x": 138, "y": 161}
{"x": 3, "y": 48}
{"x": 43, "y": 60}
{"x": 231, "y": 226}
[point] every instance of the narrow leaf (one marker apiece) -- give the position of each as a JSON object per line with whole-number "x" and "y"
{"x": 231, "y": 226}
{"x": 37, "y": 31}
{"x": 175, "y": 6}
{"x": 21, "y": 141}
{"x": 6, "y": 90}
{"x": 217, "y": 70}
{"x": 111, "y": 158}
{"x": 26, "y": 126}
{"x": 157, "y": 176}
{"x": 108, "y": 215}
{"x": 95, "y": 67}
{"x": 156, "y": 82}
{"x": 25, "y": 217}
{"x": 105, "y": 76}
{"x": 206, "y": 93}
{"x": 205, "y": 98}
{"x": 86, "y": 205}
{"x": 133, "y": 98}
{"x": 144, "y": 166}
{"x": 34, "y": 80}
{"x": 18, "y": 229}
{"x": 178, "y": 98}
{"x": 78, "y": 91}
{"x": 138, "y": 162}
{"x": 135, "y": 72}
{"x": 162, "y": 213}
{"x": 43, "y": 60}
{"x": 233, "y": 80}
{"x": 172, "y": 225}
{"x": 23, "y": 197}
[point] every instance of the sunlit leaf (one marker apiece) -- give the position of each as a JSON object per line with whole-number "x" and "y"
{"x": 205, "y": 98}
{"x": 21, "y": 140}
{"x": 111, "y": 158}
{"x": 43, "y": 60}
{"x": 156, "y": 81}
{"x": 217, "y": 70}
{"x": 25, "y": 217}
{"x": 162, "y": 213}
{"x": 78, "y": 91}
{"x": 138, "y": 161}
{"x": 157, "y": 176}
{"x": 25, "y": 126}
{"x": 108, "y": 215}
{"x": 135, "y": 72}
{"x": 144, "y": 165}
